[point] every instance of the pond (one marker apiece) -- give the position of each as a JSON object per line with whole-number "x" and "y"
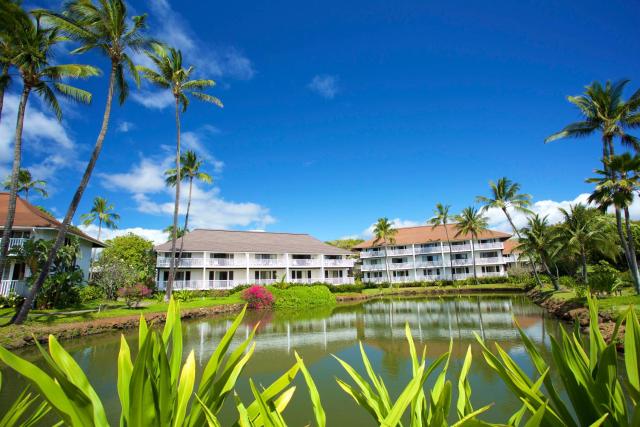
{"x": 379, "y": 324}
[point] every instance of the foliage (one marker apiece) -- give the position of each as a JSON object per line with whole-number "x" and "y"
{"x": 91, "y": 293}
{"x": 182, "y": 296}
{"x": 134, "y": 293}
{"x": 102, "y": 213}
{"x": 567, "y": 282}
{"x": 12, "y": 300}
{"x": 112, "y": 273}
{"x": 604, "y": 278}
{"x": 346, "y": 244}
{"x": 337, "y": 289}
{"x": 135, "y": 251}
{"x": 18, "y": 412}
{"x": 257, "y": 297}
{"x": 307, "y": 296}
{"x": 26, "y": 183}
{"x": 60, "y": 290}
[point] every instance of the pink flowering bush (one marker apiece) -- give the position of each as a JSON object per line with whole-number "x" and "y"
{"x": 257, "y": 297}
{"x": 133, "y": 294}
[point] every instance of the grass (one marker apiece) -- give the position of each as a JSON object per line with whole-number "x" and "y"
{"x": 422, "y": 289}
{"x": 614, "y": 304}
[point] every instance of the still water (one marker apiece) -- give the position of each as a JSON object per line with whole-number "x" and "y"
{"x": 378, "y": 324}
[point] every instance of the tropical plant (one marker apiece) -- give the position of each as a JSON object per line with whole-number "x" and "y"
{"x": 102, "y": 212}
{"x": 134, "y": 251}
{"x": 134, "y": 293}
{"x": 34, "y": 46}
{"x": 105, "y": 27}
{"x": 10, "y": 15}
{"x": 589, "y": 374}
{"x": 582, "y": 232}
{"x": 616, "y": 186}
{"x": 113, "y": 273}
{"x": 26, "y": 183}
{"x": 538, "y": 240}
{"x": 385, "y": 235}
{"x": 471, "y": 222}
{"x": 20, "y": 412}
{"x": 604, "y": 278}
{"x": 179, "y": 233}
{"x": 190, "y": 166}
{"x": 170, "y": 74}
{"x": 442, "y": 217}
{"x": 257, "y": 297}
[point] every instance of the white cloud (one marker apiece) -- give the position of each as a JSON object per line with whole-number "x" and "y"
{"x": 155, "y": 235}
{"x": 199, "y": 141}
{"x": 155, "y": 100}
{"x": 145, "y": 177}
{"x": 125, "y": 126}
{"x": 324, "y": 85}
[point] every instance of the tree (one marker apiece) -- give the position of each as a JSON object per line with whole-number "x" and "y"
{"x": 170, "y": 74}
{"x": 347, "y": 244}
{"x": 135, "y": 251}
{"x": 539, "y": 240}
{"x": 104, "y": 27}
{"x": 26, "y": 183}
{"x": 179, "y": 233}
{"x": 9, "y": 13}
{"x": 471, "y": 222}
{"x": 616, "y": 186}
{"x": 190, "y": 170}
{"x": 102, "y": 212}
{"x": 385, "y": 235}
{"x": 442, "y": 217}
{"x": 505, "y": 194}
{"x": 34, "y": 46}
{"x": 113, "y": 273}
{"x": 604, "y": 111}
{"x": 581, "y": 231}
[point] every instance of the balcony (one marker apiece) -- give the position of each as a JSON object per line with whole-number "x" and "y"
{"x": 458, "y": 262}
{"x": 428, "y": 249}
{"x": 492, "y": 245}
{"x": 459, "y": 248}
{"x": 277, "y": 262}
{"x": 338, "y": 280}
{"x": 339, "y": 263}
{"x": 371, "y": 254}
{"x": 15, "y": 242}
{"x": 305, "y": 262}
{"x": 18, "y": 287}
{"x": 428, "y": 264}
{"x": 373, "y": 267}
{"x": 226, "y": 262}
{"x": 430, "y": 277}
{"x": 490, "y": 260}
{"x": 391, "y": 252}
{"x": 184, "y": 262}
{"x": 400, "y": 265}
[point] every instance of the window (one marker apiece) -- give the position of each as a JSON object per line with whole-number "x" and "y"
{"x": 266, "y": 275}
{"x": 266, "y": 256}
{"x": 397, "y": 260}
{"x": 221, "y": 256}
{"x": 300, "y": 256}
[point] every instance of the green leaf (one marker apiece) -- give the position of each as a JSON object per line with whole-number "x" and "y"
{"x": 185, "y": 388}
{"x": 318, "y": 410}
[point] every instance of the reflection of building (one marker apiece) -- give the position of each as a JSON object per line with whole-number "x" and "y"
{"x": 32, "y": 223}
{"x": 422, "y": 253}
{"x": 221, "y": 259}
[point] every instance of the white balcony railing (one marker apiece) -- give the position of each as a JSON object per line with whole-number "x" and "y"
{"x": 196, "y": 285}
{"x": 490, "y": 260}
{"x": 459, "y": 248}
{"x": 400, "y": 265}
{"x": 226, "y": 262}
{"x": 428, "y": 264}
{"x": 267, "y": 262}
{"x": 372, "y": 254}
{"x": 428, "y": 249}
{"x": 184, "y": 262}
{"x": 15, "y": 242}
{"x": 305, "y": 262}
{"x": 491, "y": 245}
{"x": 338, "y": 280}
{"x": 338, "y": 262}
{"x": 457, "y": 262}
{"x": 13, "y": 286}
{"x": 393, "y": 252}
{"x": 373, "y": 267}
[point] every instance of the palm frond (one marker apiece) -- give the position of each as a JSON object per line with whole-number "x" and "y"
{"x": 49, "y": 98}
{"x": 73, "y": 93}
{"x": 198, "y": 84}
{"x": 207, "y": 98}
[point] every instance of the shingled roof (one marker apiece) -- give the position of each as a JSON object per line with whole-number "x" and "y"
{"x": 428, "y": 233}
{"x": 226, "y": 241}
{"x": 29, "y": 216}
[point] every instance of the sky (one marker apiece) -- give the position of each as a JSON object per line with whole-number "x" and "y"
{"x": 339, "y": 113}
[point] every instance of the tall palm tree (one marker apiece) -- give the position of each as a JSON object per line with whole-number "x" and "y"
{"x": 442, "y": 217}
{"x": 34, "y": 45}
{"x": 385, "y": 235}
{"x": 604, "y": 110}
{"x": 505, "y": 195}
{"x": 190, "y": 166}
{"x": 171, "y": 74}
{"x": 538, "y": 239}
{"x": 180, "y": 232}
{"x": 9, "y": 13}
{"x": 103, "y": 26}
{"x": 582, "y": 231}
{"x": 101, "y": 212}
{"x": 472, "y": 222}
{"x": 616, "y": 186}
{"x": 26, "y": 183}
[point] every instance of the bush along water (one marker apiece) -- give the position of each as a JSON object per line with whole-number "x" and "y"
{"x": 156, "y": 389}
{"x": 302, "y": 297}
{"x": 257, "y": 297}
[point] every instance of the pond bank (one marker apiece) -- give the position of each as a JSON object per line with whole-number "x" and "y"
{"x": 426, "y": 291}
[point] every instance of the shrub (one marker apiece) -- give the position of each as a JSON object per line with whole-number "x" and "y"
{"x": 12, "y": 300}
{"x": 604, "y": 278}
{"x": 133, "y": 294}
{"x": 306, "y": 296}
{"x": 337, "y": 289}
{"x": 567, "y": 282}
{"x": 257, "y": 297}
{"x": 112, "y": 274}
{"x": 211, "y": 293}
{"x": 91, "y": 293}
{"x": 183, "y": 296}
{"x": 60, "y": 290}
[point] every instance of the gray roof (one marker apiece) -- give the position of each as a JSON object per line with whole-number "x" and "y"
{"x": 226, "y": 241}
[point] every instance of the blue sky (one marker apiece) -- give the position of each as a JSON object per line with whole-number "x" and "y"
{"x": 339, "y": 113}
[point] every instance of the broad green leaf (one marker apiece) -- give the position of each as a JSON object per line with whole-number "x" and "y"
{"x": 185, "y": 388}
{"x": 318, "y": 410}
{"x": 125, "y": 367}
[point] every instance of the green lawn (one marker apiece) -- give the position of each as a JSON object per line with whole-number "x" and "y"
{"x": 614, "y": 304}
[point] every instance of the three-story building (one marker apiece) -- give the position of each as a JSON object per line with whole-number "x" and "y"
{"x": 422, "y": 253}
{"x": 223, "y": 259}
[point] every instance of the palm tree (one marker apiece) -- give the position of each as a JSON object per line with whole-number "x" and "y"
{"x": 170, "y": 74}
{"x": 604, "y": 111}
{"x": 105, "y": 27}
{"x": 385, "y": 235}
{"x": 102, "y": 212}
{"x": 471, "y": 222}
{"x": 538, "y": 239}
{"x": 581, "y": 231}
{"x": 180, "y": 232}
{"x": 9, "y": 13}
{"x": 441, "y": 217}
{"x": 616, "y": 186}
{"x": 34, "y": 45}
{"x": 505, "y": 194}
{"x": 27, "y": 184}
{"x": 190, "y": 170}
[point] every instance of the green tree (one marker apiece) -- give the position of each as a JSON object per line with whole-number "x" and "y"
{"x": 385, "y": 235}
{"x": 179, "y": 232}
{"x": 135, "y": 251}
{"x": 170, "y": 74}
{"x": 442, "y": 217}
{"x": 102, "y": 213}
{"x": 104, "y": 27}
{"x": 190, "y": 166}
{"x": 539, "y": 240}
{"x": 505, "y": 195}
{"x": 26, "y": 183}
{"x": 471, "y": 222}
{"x": 347, "y": 244}
{"x": 616, "y": 186}
{"x": 9, "y": 13}
{"x": 34, "y": 46}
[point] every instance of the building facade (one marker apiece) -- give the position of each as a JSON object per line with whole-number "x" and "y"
{"x": 32, "y": 223}
{"x": 223, "y": 259}
{"x": 423, "y": 254}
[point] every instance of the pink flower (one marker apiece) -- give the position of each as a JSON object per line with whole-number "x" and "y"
{"x": 258, "y": 297}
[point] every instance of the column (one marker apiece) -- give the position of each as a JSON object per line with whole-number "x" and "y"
{"x": 444, "y": 264}
{"x": 413, "y": 254}
{"x": 246, "y": 254}
{"x": 322, "y": 279}
{"x": 286, "y": 263}
{"x": 205, "y": 283}
{"x": 473, "y": 254}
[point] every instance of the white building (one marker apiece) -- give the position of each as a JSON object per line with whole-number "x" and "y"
{"x": 422, "y": 253}
{"x": 223, "y": 259}
{"x": 32, "y": 223}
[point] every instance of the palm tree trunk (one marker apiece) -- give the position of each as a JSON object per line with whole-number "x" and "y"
{"x": 3, "y": 76}
{"x": 446, "y": 232}
{"x": 99, "y": 228}
{"x": 633, "y": 264}
{"x": 473, "y": 259}
{"x": 386, "y": 263}
{"x": 73, "y": 206}
{"x": 534, "y": 268}
{"x": 583, "y": 258}
{"x": 186, "y": 217}
{"x": 554, "y": 279}
{"x": 15, "y": 170}
{"x": 26, "y": 194}
{"x": 176, "y": 208}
